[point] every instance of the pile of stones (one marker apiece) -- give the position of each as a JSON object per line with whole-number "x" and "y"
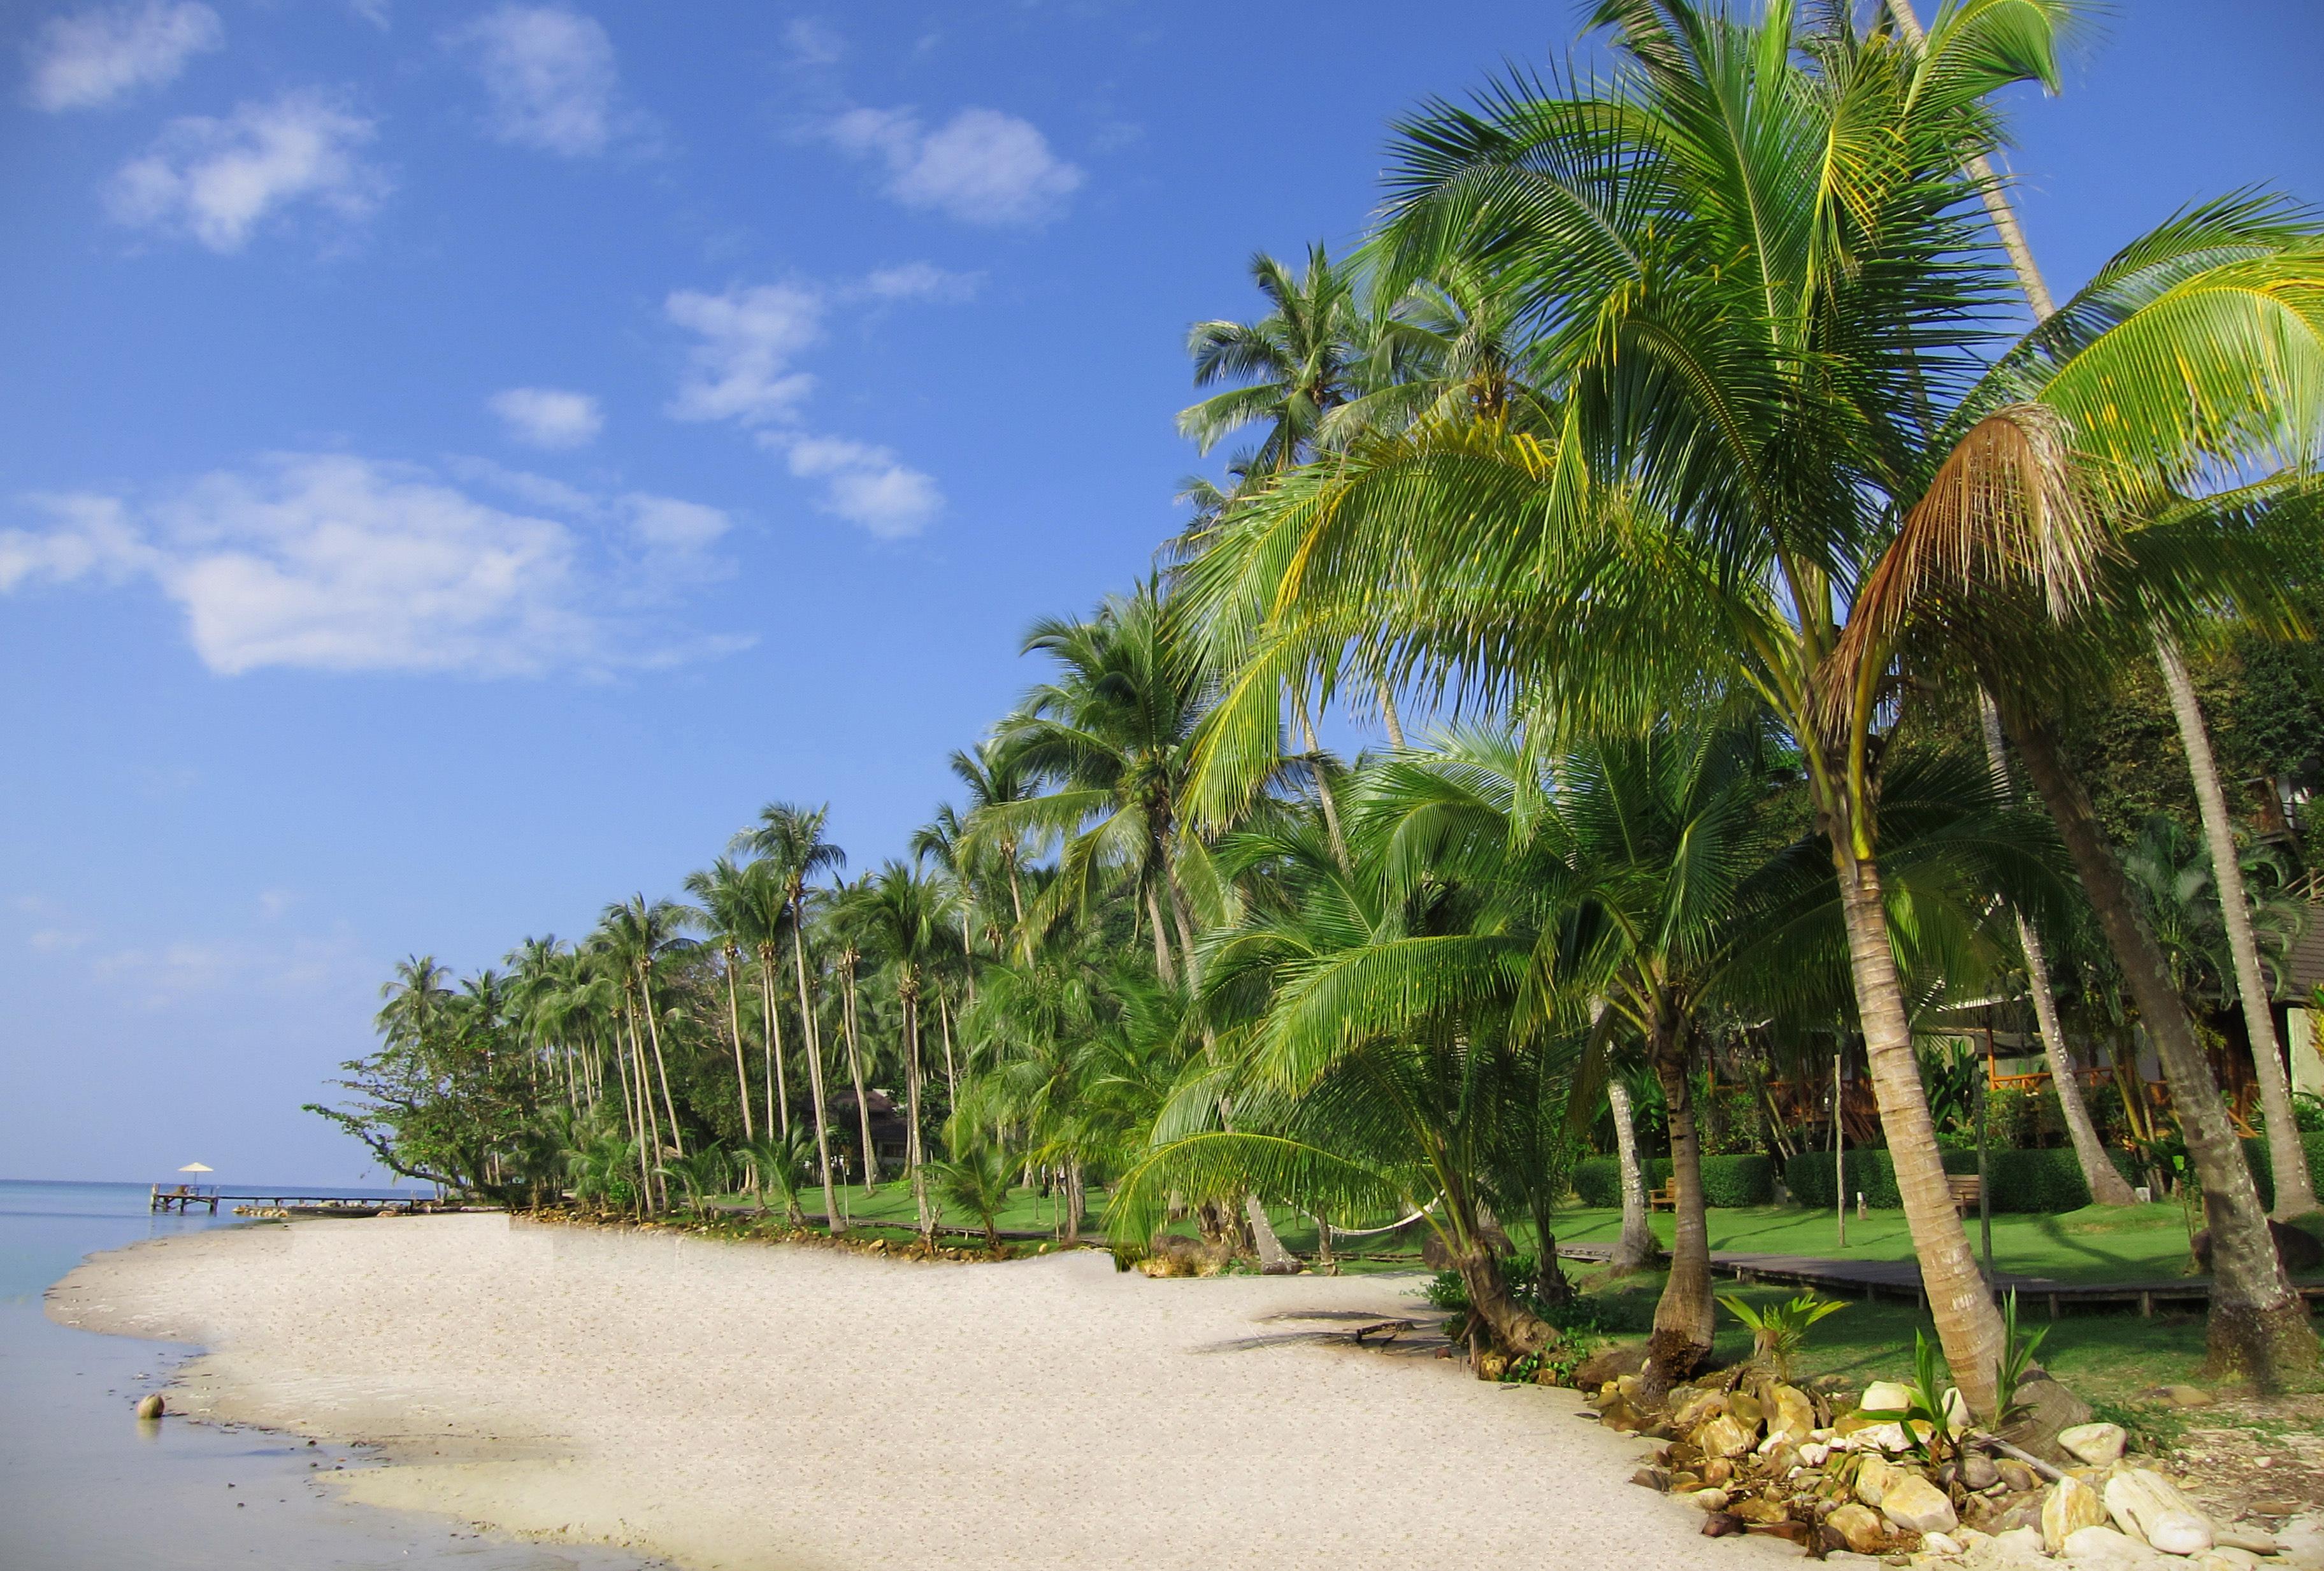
{"x": 1757, "y": 1455}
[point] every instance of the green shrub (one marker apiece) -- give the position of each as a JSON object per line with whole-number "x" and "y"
{"x": 2046, "y": 1181}
{"x": 2255, "y": 1152}
{"x": 1746, "y": 1180}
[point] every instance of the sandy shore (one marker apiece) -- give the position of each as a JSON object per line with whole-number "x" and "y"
{"x": 734, "y": 1405}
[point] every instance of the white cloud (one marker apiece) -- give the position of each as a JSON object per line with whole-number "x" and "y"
{"x": 812, "y": 43}
{"x": 378, "y": 13}
{"x": 87, "y": 60}
{"x": 217, "y": 179}
{"x": 550, "y": 75}
{"x": 548, "y": 416}
{"x": 981, "y": 166}
{"x": 741, "y": 368}
{"x": 920, "y": 280}
{"x": 336, "y": 563}
{"x": 865, "y": 485}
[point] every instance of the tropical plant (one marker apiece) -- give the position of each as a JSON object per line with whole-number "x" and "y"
{"x": 1780, "y": 1331}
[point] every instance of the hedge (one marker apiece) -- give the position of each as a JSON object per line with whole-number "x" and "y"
{"x": 2255, "y": 1153}
{"x": 1746, "y": 1180}
{"x": 2048, "y": 1180}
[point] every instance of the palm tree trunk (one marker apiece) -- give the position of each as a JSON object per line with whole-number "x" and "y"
{"x": 1683, "y": 1320}
{"x": 1163, "y": 968}
{"x": 952, "y": 1077}
{"x": 1516, "y": 1328}
{"x": 661, "y": 1070}
{"x": 2296, "y": 1192}
{"x": 914, "y": 1168}
{"x": 855, "y": 1073}
{"x": 1322, "y": 785}
{"x": 777, "y": 1079}
{"x": 2107, "y": 1187}
{"x": 734, "y": 1026}
{"x": 1959, "y": 1300}
{"x": 650, "y": 1148}
{"x": 1389, "y": 717}
{"x": 813, "y": 1047}
{"x": 2258, "y": 1326}
{"x": 1639, "y": 1246}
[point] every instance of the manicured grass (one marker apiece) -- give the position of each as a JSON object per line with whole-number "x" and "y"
{"x": 2096, "y": 1244}
{"x": 1027, "y": 1211}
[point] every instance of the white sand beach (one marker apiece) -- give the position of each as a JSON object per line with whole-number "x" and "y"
{"x": 742, "y": 1406}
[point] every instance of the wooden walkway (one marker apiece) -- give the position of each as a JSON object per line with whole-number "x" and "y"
{"x": 188, "y": 1197}
{"x": 1901, "y": 1279}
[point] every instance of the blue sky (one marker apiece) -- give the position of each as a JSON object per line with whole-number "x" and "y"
{"x": 459, "y": 461}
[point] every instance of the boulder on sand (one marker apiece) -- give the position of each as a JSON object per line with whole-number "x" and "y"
{"x": 2096, "y": 1445}
{"x": 1856, "y": 1526}
{"x": 2149, "y": 1506}
{"x": 1918, "y": 1506}
{"x": 2068, "y": 1506}
{"x": 2104, "y": 1544}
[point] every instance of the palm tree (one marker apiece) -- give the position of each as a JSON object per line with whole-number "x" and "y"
{"x": 725, "y": 892}
{"x": 790, "y": 839}
{"x": 996, "y": 777}
{"x": 976, "y": 1181}
{"x": 1757, "y": 346}
{"x": 1294, "y": 364}
{"x": 637, "y": 933}
{"x": 416, "y": 996}
{"x": 898, "y": 917}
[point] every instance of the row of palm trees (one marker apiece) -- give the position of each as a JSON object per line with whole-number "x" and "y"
{"x": 1676, "y": 445}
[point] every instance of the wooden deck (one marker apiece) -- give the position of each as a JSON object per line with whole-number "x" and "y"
{"x": 188, "y": 1197}
{"x": 1901, "y": 1279}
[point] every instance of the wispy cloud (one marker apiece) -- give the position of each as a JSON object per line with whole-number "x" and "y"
{"x": 864, "y": 485}
{"x": 92, "y": 57}
{"x": 812, "y": 43}
{"x": 336, "y": 563}
{"x": 550, "y": 73}
{"x": 217, "y": 179}
{"x": 981, "y": 166}
{"x": 743, "y": 368}
{"x": 548, "y": 416}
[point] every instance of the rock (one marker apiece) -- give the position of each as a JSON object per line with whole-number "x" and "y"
{"x": 1760, "y": 1509}
{"x": 1651, "y": 1478}
{"x": 1872, "y": 1479}
{"x": 1707, "y": 1500}
{"x": 1884, "y": 1396}
{"x": 2021, "y": 1544}
{"x": 1884, "y": 1438}
{"x": 1918, "y": 1506}
{"x": 2149, "y": 1506}
{"x": 2219, "y": 1559}
{"x": 1610, "y": 1363}
{"x": 1616, "y": 1413}
{"x": 2050, "y": 1410}
{"x": 1941, "y": 1544}
{"x": 1790, "y": 1414}
{"x": 152, "y": 1406}
{"x": 1721, "y": 1524}
{"x": 1859, "y": 1529}
{"x": 2104, "y": 1544}
{"x": 1745, "y": 1408}
{"x": 1814, "y": 1454}
{"x": 1717, "y": 1470}
{"x": 1725, "y": 1436}
{"x": 1978, "y": 1471}
{"x": 2094, "y": 1443}
{"x": 2184, "y": 1396}
{"x": 2248, "y": 1536}
{"x": 1697, "y": 1409}
{"x": 2069, "y": 1505}
{"x": 2018, "y": 1475}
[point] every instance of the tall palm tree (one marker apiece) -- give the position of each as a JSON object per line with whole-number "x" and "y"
{"x": 898, "y": 920}
{"x": 1761, "y": 296}
{"x": 416, "y": 996}
{"x": 724, "y": 890}
{"x": 791, "y": 840}
{"x": 996, "y": 776}
{"x": 1294, "y": 364}
{"x": 638, "y": 933}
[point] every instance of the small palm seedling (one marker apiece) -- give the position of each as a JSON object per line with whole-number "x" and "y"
{"x": 1933, "y": 1417}
{"x": 976, "y": 1182}
{"x": 1779, "y": 1331}
{"x": 2016, "y": 1365}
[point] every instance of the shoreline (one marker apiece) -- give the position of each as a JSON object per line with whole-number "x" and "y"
{"x": 737, "y": 1405}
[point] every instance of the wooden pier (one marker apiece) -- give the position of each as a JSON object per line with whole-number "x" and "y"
{"x": 190, "y": 1197}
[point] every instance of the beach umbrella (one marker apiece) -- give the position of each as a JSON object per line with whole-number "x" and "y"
{"x": 196, "y": 1167}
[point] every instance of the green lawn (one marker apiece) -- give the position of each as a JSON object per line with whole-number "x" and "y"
{"x": 2096, "y": 1244}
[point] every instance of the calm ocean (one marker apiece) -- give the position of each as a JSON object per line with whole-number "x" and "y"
{"x": 85, "y": 1487}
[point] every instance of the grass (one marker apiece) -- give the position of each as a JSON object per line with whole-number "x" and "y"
{"x": 2096, "y": 1244}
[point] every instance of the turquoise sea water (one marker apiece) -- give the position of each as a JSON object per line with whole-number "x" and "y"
{"x": 84, "y": 1487}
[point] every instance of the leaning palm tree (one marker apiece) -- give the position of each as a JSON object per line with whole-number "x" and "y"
{"x": 791, "y": 840}
{"x": 416, "y": 996}
{"x": 1761, "y": 294}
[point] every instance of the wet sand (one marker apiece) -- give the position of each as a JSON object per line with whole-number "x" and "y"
{"x": 740, "y": 1406}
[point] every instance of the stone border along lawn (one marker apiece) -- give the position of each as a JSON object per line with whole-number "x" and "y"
{"x": 1808, "y": 1465}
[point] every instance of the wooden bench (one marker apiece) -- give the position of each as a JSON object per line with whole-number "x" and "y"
{"x": 1664, "y": 1198}
{"x": 1968, "y": 1190}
